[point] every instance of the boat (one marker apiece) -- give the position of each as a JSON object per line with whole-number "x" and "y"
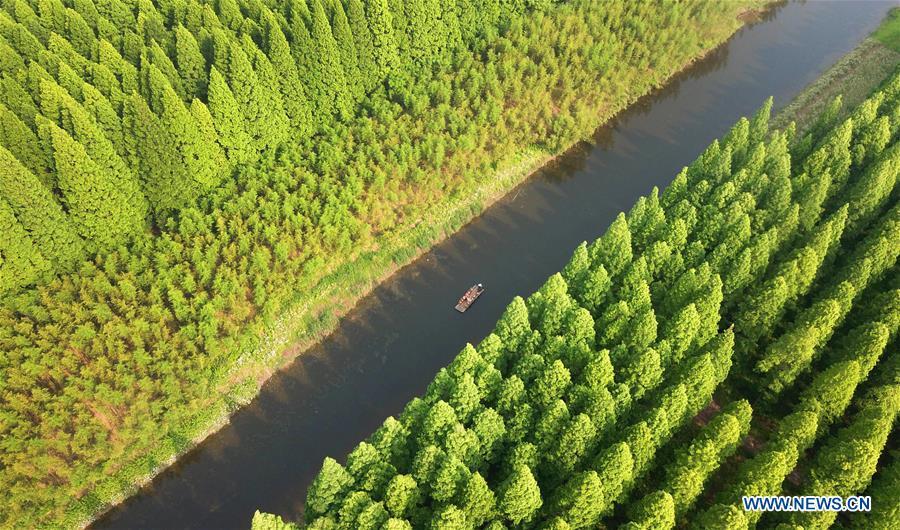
{"x": 467, "y": 299}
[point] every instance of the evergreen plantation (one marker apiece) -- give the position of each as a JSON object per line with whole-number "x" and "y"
{"x": 176, "y": 174}
{"x": 735, "y": 335}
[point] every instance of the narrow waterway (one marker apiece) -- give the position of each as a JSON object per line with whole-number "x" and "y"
{"x": 389, "y": 347}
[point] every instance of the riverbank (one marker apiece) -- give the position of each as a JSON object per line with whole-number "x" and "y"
{"x": 324, "y": 300}
{"x": 853, "y": 77}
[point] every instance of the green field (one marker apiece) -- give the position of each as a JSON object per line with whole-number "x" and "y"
{"x": 187, "y": 188}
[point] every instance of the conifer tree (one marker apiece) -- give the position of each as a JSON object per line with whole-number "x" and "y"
{"x": 369, "y": 72}
{"x": 845, "y": 465}
{"x": 293, "y": 90}
{"x": 17, "y": 99}
{"x": 331, "y": 482}
{"x": 346, "y": 46}
{"x": 384, "y": 39}
{"x": 579, "y": 500}
{"x": 59, "y": 106}
{"x": 693, "y": 464}
{"x": 519, "y": 497}
{"x": 328, "y": 83}
{"x": 21, "y": 263}
{"x": 191, "y": 63}
{"x": 39, "y": 213}
{"x": 21, "y": 141}
{"x": 885, "y": 493}
{"x": 613, "y": 250}
{"x": 616, "y": 467}
{"x": 402, "y": 495}
{"x": 97, "y": 206}
{"x": 265, "y": 121}
{"x": 278, "y": 129}
{"x": 158, "y": 58}
{"x": 229, "y": 120}
{"x": 106, "y": 116}
{"x": 477, "y": 500}
{"x": 152, "y": 153}
{"x": 656, "y": 511}
{"x": 425, "y": 30}
{"x": 201, "y": 158}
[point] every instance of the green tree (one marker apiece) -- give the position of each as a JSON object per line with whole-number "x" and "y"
{"x": 830, "y": 392}
{"x": 346, "y": 46}
{"x": 191, "y": 63}
{"x": 21, "y": 141}
{"x": 61, "y": 108}
{"x": 229, "y": 121}
{"x": 277, "y": 126}
{"x": 654, "y": 511}
{"x": 381, "y": 25}
{"x": 370, "y": 75}
{"x": 579, "y": 500}
{"x": 264, "y": 120}
{"x": 477, "y": 500}
{"x": 759, "y": 125}
{"x": 576, "y": 441}
{"x": 293, "y": 90}
{"x": 326, "y": 489}
{"x": 328, "y": 85}
{"x": 101, "y": 211}
{"x": 514, "y": 328}
{"x": 450, "y": 517}
{"x": 693, "y": 464}
{"x": 885, "y": 491}
{"x": 39, "y": 213}
{"x": 613, "y": 250}
{"x": 201, "y": 159}
{"x": 722, "y": 517}
{"x": 845, "y": 464}
{"x": 267, "y": 521}
{"x": 402, "y": 495}
{"x": 21, "y": 263}
{"x": 519, "y": 496}
{"x": 551, "y": 384}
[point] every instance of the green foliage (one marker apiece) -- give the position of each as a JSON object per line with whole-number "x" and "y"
{"x": 275, "y": 141}
{"x": 21, "y": 263}
{"x": 267, "y": 521}
{"x": 519, "y": 497}
{"x": 39, "y": 213}
{"x": 97, "y": 206}
{"x": 845, "y": 465}
{"x": 656, "y": 510}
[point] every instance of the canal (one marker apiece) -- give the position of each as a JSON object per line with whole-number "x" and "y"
{"x": 387, "y": 349}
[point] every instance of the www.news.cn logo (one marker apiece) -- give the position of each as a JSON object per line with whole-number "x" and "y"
{"x": 807, "y": 503}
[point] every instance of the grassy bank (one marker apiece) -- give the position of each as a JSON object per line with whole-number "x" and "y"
{"x": 853, "y": 77}
{"x": 323, "y": 298}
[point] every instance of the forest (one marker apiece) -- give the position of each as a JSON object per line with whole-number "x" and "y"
{"x": 176, "y": 175}
{"x": 733, "y": 335}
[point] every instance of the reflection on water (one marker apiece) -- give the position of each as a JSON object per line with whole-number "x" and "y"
{"x": 390, "y": 346}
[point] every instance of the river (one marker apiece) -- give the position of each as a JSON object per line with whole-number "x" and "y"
{"x": 387, "y": 349}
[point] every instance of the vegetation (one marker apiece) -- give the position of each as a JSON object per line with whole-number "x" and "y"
{"x": 764, "y": 278}
{"x": 889, "y": 31}
{"x": 173, "y": 173}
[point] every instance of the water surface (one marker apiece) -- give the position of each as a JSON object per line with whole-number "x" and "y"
{"x": 389, "y": 347}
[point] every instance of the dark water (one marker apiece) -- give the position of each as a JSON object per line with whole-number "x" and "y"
{"x": 390, "y": 346}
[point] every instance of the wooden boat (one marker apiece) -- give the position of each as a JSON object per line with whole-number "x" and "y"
{"x": 467, "y": 299}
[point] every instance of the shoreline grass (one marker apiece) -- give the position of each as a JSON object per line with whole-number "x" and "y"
{"x": 853, "y": 76}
